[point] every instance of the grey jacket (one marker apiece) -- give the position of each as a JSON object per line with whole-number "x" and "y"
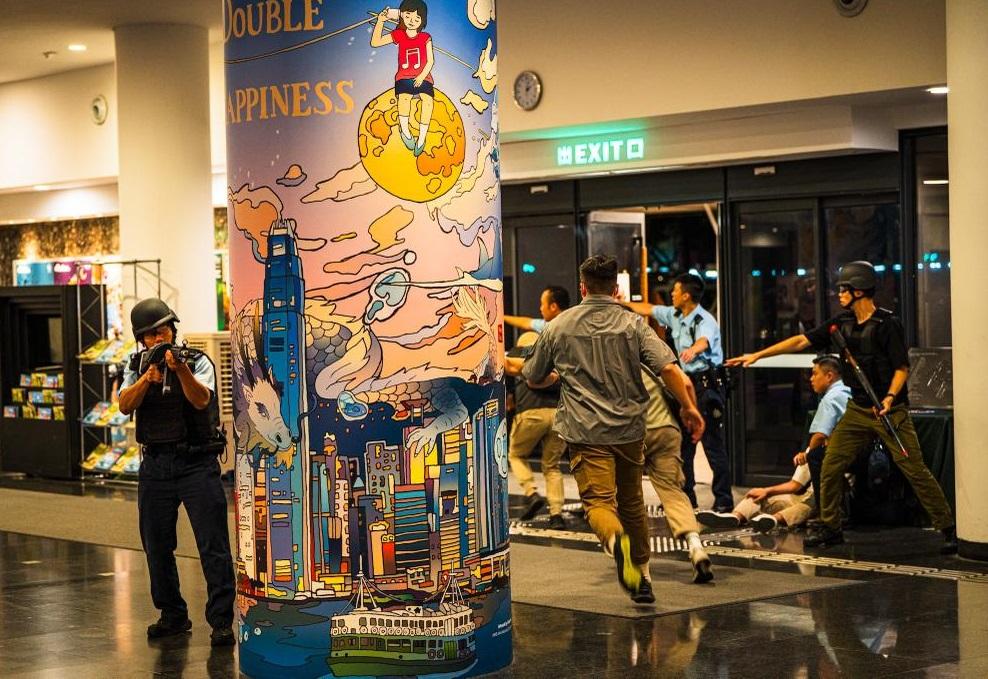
{"x": 598, "y": 348}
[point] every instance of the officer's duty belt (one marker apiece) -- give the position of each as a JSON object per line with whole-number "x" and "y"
{"x": 153, "y": 449}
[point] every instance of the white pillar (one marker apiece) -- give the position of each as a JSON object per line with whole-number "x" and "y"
{"x": 967, "y": 110}
{"x": 165, "y": 169}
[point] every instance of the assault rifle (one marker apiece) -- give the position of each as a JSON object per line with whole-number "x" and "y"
{"x": 841, "y": 343}
{"x": 141, "y": 362}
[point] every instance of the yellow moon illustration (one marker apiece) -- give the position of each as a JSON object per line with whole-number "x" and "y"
{"x": 395, "y": 168}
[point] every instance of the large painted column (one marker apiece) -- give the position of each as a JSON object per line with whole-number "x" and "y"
{"x": 967, "y": 108}
{"x": 365, "y": 250}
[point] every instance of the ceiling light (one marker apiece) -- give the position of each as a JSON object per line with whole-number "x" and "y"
{"x": 936, "y": 182}
{"x": 940, "y": 89}
{"x": 76, "y": 47}
{"x": 42, "y": 187}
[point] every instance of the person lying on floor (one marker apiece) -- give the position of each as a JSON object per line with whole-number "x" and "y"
{"x": 792, "y": 503}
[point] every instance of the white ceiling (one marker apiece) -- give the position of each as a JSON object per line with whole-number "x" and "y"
{"x": 30, "y": 27}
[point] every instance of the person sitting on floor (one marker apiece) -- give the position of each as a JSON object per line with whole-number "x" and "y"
{"x": 791, "y": 503}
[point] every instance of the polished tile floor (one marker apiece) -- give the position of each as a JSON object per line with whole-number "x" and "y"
{"x": 69, "y": 609}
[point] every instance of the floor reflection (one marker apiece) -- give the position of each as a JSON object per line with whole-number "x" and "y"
{"x": 70, "y": 609}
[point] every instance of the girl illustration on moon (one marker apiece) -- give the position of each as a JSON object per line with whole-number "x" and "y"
{"x": 415, "y": 62}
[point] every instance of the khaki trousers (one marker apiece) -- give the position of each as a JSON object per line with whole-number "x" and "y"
{"x": 610, "y": 482}
{"x": 664, "y": 466}
{"x": 793, "y": 509}
{"x": 530, "y": 427}
{"x": 852, "y": 436}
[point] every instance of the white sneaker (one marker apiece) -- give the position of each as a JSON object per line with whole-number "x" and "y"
{"x": 718, "y": 520}
{"x": 763, "y": 523}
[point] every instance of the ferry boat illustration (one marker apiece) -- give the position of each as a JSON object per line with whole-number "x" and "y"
{"x": 368, "y": 640}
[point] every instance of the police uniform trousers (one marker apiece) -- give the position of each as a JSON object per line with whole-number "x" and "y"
{"x": 170, "y": 476}
{"x": 710, "y": 402}
{"x": 852, "y": 437}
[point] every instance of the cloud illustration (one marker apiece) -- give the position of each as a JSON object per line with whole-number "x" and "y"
{"x": 487, "y": 70}
{"x": 348, "y": 183}
{"x": 481, "y": 12}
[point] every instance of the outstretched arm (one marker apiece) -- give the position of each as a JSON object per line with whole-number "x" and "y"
{"x": 378, "y": 39}
{"x": 641, "y": 308}
{"x": 793, "y": 345}
{"x": 520, "y": 322}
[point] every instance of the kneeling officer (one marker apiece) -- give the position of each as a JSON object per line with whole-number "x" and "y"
{"x": 172, "y": 389}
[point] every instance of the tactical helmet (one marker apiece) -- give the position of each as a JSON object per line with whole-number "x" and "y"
{"x": 149, "y": 314}
{"x": 859, "y": 275}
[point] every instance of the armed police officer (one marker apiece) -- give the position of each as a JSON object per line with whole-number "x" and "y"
{"x": 874, "y": 337}
{"x": 172, "y": 390}
{"x": 696, "y": 337}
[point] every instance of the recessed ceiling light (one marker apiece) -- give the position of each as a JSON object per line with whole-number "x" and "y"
{"x": 940, "y": 89}
{"x": 76, "y": 47}
{"x": 42, "y": 187}
{"x": 936, "y": 182}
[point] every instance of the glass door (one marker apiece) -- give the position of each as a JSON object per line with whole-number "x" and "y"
{"x": 788, "y": 256}
{"x": 778, "y": 262}
{"x": 621, "y": 234}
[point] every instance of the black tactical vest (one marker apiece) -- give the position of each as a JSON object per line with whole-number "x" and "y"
{"x": 874, "y": 362}
{"x": 170, "y": 418}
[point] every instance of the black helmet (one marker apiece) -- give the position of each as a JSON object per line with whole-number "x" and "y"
{"x": 859, "y": 275}
{"x": 149, "y": 314}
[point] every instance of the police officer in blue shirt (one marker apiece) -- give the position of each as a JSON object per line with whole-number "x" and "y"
{"x": 177, "y": 418}
{"x": 696, "y": 338}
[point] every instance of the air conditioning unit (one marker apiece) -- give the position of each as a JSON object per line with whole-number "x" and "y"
{"x": 216, "y": 345}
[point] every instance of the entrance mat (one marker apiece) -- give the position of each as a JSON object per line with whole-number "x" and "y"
{"x": 578, "y": 580}
{"x": 96, "y": 520}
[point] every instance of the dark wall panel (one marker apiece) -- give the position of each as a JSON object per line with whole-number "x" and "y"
{"x": 863, "y": 173}
{"x": 538, "y": 198}
{"x": 653, "y": 188}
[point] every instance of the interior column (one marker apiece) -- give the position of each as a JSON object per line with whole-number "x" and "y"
{"x": 165, "y": 169}
{"x": 967, "y": 110}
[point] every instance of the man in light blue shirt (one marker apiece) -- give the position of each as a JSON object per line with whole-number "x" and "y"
{"x": 696, "y": 337}
{"x": 553, "y": 301}
{"x": 825, "y": 380}
{"x": 792, "y": 503}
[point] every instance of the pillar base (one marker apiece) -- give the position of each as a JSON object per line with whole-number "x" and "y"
{"x": 977, "y": 551}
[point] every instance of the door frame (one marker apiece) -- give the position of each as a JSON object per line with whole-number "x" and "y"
{"x": 732, "y": 294}
{"x": 732, "y": 299}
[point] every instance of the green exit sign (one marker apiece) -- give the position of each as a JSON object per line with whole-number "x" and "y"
{"x": 598, "y": 152}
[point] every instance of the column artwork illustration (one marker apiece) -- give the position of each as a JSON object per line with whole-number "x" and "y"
{"x": 367, "y": 338}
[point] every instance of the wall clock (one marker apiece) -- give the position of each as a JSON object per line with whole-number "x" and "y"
{"x": 528, "y": 90}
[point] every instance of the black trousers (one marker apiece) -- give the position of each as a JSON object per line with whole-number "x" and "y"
{"x": 169, "y": 478}
{"x": 814, "y": 459}
{"x": 710, "y": 401}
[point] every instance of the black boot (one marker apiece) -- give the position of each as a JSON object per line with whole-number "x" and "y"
{"x": 222, "y": 636}
{"x": 949, "y": 540}
{"x": 534, "y": 504}
{"x": 165, "y": 628}
{"x": 824, "y": 536}
{"x": 643, "y": 595}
